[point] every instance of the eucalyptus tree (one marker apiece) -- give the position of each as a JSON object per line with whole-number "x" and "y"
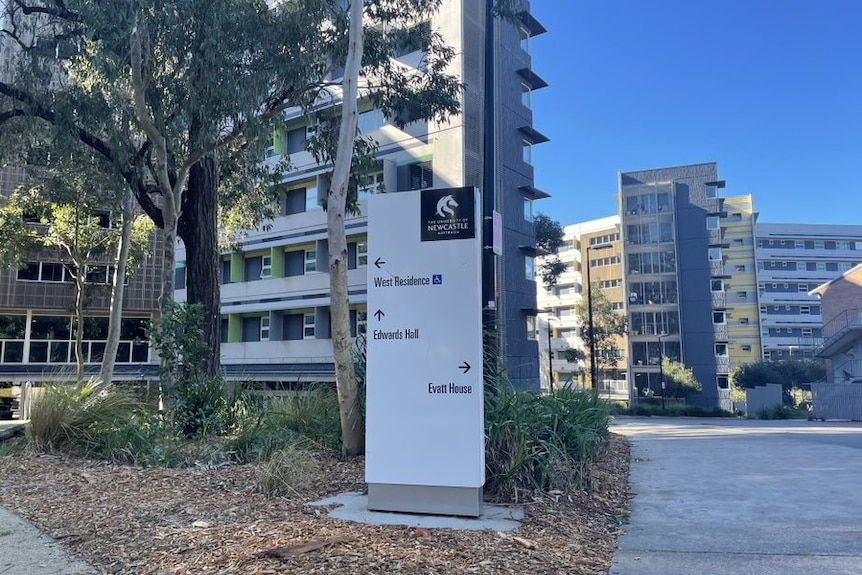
{"x": 608, "y": 327}
{"x": 62, "y": 214}
{"x": 182, "y": 97}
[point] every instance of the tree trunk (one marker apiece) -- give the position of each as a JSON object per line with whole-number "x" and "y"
{"x": 199, "y": 231}
{"x": 118, "y": 289}
{"x": 79, "y": 321}
{"x": 352, "y": 433}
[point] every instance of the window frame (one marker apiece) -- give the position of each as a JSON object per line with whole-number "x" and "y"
{"x": 309, "y": 325}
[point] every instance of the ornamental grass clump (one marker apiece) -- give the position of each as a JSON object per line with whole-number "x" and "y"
{"x": 541, "y": 442}
{"x": 294, "y": 470}
{"x": 72, "y": 416}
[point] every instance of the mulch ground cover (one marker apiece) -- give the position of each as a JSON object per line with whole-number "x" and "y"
{"x": 130, "y": 520}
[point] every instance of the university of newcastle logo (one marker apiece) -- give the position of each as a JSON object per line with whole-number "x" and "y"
{"x": 448, "y": 214}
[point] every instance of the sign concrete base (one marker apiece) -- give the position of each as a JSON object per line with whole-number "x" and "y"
{"x": 426, "y": 499}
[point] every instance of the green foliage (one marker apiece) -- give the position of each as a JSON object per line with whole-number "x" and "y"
{"x": 12, "y": 446}
{"x": 609, "y": 325}
{"x": 653, "y": 408}
{"x": 20, "y": 240}
{"x": 311, "y": 416}
{"x": 549, "y": 238}
{"x": 781, "y": 412}
{"x": 536, "y": 442}
{"x": 789, "y": 373}
{"x": 199, "y": 403}
{"x": 549, "y": 233}
{"x": 680, "y": 380}
{"x": 69, "y": 416}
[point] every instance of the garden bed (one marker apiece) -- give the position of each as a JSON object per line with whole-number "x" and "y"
{"x": 124, "y": 519}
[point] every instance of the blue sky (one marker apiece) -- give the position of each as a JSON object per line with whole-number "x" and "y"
{"x": 769, "y": 89}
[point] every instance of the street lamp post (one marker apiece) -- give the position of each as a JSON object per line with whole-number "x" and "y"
{"x": 590, "y": 330}
{"x": 661, "y": 369}
{"x": 550, "y": 359}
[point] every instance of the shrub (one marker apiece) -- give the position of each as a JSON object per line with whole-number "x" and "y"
{"x": 312, "y": 415}
{"x": 292, "y": 470}
{"x": 64, "y": 415}
{"x": 536, "y": 442}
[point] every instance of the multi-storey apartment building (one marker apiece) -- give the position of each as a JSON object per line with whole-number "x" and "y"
{"x": 37, "y": 331}
{"x": 275, "y": 292}
{"x": 792, "y": 260}
{"x": 674, "y": 257}
{"x": 734, "y": 294}
{"x": 596, "y": 242}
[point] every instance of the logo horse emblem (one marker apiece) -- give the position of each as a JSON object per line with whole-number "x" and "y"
{"x": 446, "y": 207}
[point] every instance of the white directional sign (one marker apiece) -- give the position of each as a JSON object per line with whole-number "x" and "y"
{"x": 424, "y": 372}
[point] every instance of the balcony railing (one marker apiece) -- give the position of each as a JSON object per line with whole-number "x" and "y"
{"x": 848, "y": 319}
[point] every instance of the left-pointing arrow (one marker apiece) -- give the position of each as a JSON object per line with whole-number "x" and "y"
{"x": 378, "y": 262}
{"x": 379, "y": 314}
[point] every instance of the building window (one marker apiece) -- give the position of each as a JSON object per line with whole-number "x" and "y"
{"x": 711, "y": 191}
{"x": 531, "y": 327}
{"x": 361, "y": 254}
{"x": 370, "y": 121}
{"x": 265, "y": 267}
{"x": 528, "y": 152}
{"x": 361, "y": 322}
{"x": 310, "y": 260}
{"x": 717, "y": 285}
{"x": 264, "y": 328}
{"x": 723, "y": 381}
{"x": 712, "y": 223}
{"x": 767, "y": 355}
{"x": 742, "y": 295}
{"x": 525, "y": 39}
{"x": 721, "y": 350}
{"x": 718, "y": 317}
{"x": 743, "y": 321}
{"x": 805, "y": 310}
{"x": 308, "y": 325}
{"x": 311, "y": 202}
{"x": 526, "y": 96}
{"x": 528, "y": 209}
{"x": 530, "y": 267}
{"x": 715, "y": 254}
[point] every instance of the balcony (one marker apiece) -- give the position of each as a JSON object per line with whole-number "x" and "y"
{"x": 307, "y": 290}
{"x": 715, "y": 237}
{"x": 301, "y": 351}
{"x": 840, "y": 332}
{"x": 719, "y": 299}
{"x": 559, "y": 343}
{"x": 617, "y": 389}
{"x": 722, "y": 364}
{"x": 719, "y": 331}
{"x": 716, "y": 268}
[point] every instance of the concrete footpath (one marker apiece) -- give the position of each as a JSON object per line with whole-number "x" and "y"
{"x": 742, "y": 497}
{"x": 24, "y": 550}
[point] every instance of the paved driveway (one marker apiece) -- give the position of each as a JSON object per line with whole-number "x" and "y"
{"x": 743, "y": 497}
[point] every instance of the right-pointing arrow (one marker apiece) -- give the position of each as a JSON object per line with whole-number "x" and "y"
{"x": 465, "y": 366}
{"x": 379, "y": 314}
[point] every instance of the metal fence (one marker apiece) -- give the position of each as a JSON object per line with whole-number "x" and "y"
{"x": 837, "y": 401}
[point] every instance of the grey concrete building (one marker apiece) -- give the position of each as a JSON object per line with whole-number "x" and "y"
{"x": 793, "y": 259}
{"x": 275, "y": 292}
{"x": 670, "y": 258}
